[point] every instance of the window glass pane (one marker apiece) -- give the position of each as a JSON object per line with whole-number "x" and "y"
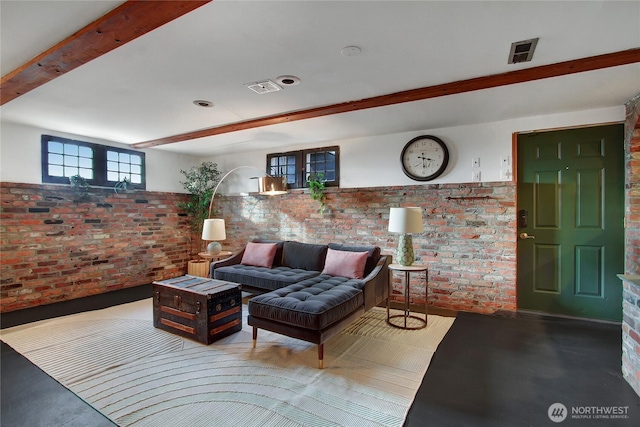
{"x": 136, "y": 169}
{"x": 71, "y": 149}
{"x": 112, "y": 166}
{"x": 136, "y": 160}
{"x": 112, "y": 176}
{"x": 70, "y": 161}
{"x": 85, "y": 152}
{"x": 85, "y": 163}
{"x": 124, "y": 158}
{"x": 86, "y": 173}
{"x": 70, "y": 171}
{"x": 124, "y": 167}
{"x": 112, "y": 155}
{"x": 55, "y": 159}
{"x": 55, "y": 170}
{"x": 55, "y": 147}
{"x": 136, "y": 179}
{"x": 122, "y": 176}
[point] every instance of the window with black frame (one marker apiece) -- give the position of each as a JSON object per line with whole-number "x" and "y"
{"x": 100, "y": 165}
{"x": 299, "y": 166}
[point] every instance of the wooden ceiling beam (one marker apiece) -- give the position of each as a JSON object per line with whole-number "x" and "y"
{"x": 496, "y": 80}
{"x": 123, "y": 24}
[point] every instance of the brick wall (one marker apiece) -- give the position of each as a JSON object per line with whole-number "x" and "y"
{"x": 631, "y": 289}
{"x": 54, "y": 249}
{"x": 468, "y": 244}
{"x": 632, "y": 140}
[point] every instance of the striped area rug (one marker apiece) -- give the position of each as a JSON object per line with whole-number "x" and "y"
{"x": 141, "y": 376}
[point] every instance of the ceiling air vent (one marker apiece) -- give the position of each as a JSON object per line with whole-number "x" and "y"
{"x": 263, "y": 87}
{"x": 522, "y": 51}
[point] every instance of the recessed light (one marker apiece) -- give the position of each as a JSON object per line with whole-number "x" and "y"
{"x": 288, "y": 80}
{"x": 350, "y": 51}
{"x": 203, "y": 103}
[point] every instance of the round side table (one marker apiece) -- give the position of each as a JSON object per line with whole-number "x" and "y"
{"x": 408, "y": 269}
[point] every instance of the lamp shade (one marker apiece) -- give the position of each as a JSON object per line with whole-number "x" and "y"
{"x": 213, "y": 229}
{"x": 272, "y": 185}
{"x": 405, "y": 220}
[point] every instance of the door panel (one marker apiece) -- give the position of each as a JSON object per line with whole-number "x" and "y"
{"x": 571, "y": 185}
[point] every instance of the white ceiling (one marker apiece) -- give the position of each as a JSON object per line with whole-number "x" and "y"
{"x": 144, "y": 89}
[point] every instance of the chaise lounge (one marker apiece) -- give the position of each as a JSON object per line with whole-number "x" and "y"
{"x": 312, "y": 291}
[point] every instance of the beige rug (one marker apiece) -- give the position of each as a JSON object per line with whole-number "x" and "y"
{"x": 141, "y": 376}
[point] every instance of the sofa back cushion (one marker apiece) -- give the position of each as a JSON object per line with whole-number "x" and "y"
{"x": 347, "y": 264}
{"x": 305, "y": 256}
{"x": 259, "y": 254}
{"x": 277, "y": 259}
{"x": 373, "y": 254}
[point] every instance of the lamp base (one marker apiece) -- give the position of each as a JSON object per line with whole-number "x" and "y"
{"x": 404, "y": 255}
{"x": 214, "y": 248}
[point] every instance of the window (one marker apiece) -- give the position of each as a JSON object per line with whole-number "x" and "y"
{"x": 100, "y": 165}
{"x": 297, "y": 166}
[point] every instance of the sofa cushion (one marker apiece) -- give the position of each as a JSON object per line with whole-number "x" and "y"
{"x": 262, "y": 277}
{"x": 259, "y": 254}
{"x": 277, "y": 259}
{"x": 305, "y": 256}
{"x": 345, "y": 263}
{"x": 313, "y": 303}
{"x": 373, "y": 254}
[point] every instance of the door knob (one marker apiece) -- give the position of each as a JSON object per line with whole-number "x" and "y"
{"x": 526, "y": 236}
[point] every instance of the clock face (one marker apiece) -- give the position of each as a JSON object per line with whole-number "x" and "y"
{"x": 424, "y": 158}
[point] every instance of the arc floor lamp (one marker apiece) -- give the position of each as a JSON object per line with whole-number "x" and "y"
{"x": 214, "y": 230}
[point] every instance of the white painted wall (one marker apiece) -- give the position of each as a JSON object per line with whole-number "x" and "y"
{"x": 375, "y": 161}
{"x": 364, "y": 162}
{"x": 20, "y": 158}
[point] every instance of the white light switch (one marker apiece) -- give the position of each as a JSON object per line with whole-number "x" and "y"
{"x": 505, "y": 161}
{"x": 475, "y": 176}
{"x": 475, "y": 162}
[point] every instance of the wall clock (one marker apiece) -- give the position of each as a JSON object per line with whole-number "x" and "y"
{"x": 424, "y": 158}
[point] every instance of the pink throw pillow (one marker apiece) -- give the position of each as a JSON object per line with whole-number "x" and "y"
{"x": 345, "y": 263}
{"x": 259, "y": 254}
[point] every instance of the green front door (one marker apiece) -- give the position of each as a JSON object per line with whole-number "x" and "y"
{"x": 570, "y": 222}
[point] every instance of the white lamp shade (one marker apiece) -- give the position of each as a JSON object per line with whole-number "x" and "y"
{"x": 405, "y": 220}
{"x": 213, "y": 229}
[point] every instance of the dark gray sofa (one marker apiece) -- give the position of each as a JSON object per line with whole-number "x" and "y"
{"x": 301, "y": 301}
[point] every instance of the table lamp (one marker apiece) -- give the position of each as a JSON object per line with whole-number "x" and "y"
{"x": 405, "y": 221}
{"x": 213, "y": 229}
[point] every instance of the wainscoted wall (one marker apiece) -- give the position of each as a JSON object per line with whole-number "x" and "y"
{"x": 469, "y": 241}
{"x": 54, "y": 249}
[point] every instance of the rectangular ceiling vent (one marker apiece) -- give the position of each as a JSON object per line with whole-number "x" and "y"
{"x": 263, "y": 87}
{"x": 522, "y": 51}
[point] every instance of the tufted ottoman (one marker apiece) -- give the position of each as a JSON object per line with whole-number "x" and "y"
{"x": 312, "y": 310}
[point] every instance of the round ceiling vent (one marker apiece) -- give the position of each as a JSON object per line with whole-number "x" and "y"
{"x": 288, "y": 80}
{"x": 203, "y": 103}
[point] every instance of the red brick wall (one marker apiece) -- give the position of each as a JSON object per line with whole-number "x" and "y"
{"x": 632, "y": 127}
{"x": 53, "y": 249}
{"x": 468, "y": 244}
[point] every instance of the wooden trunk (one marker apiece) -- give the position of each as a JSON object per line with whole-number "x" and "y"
{"x": 198, "y": 308}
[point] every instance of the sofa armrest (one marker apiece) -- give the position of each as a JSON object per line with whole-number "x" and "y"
{"x": 376, "y": 286}
{"x": 232, "y": 260}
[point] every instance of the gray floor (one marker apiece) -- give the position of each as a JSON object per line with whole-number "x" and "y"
{"x": 488, "y": 371}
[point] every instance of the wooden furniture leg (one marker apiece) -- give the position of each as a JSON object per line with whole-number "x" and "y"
{"x": 321, "y": 356}
{"x": 255, "y": 336}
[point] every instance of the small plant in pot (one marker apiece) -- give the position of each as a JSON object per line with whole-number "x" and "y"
{"x": 317, "y": 188}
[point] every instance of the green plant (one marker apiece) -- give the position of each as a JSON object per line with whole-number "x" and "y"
{"x": 317, "y": 188}
{"x": 200, "y": 182}
{"x": 80, "y": 188}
